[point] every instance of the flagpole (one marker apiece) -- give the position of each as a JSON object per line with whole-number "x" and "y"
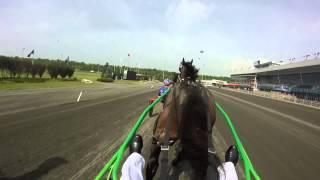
{"x": 201, "y": 52}
{"x": 22, "y": 55}
{"x": 29, "y": 55}
{"x": 120, "y": 68}
{"x": 128, "y": 61}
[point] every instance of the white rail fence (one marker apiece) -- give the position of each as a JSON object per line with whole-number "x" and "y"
{"x": 315, "y": 102}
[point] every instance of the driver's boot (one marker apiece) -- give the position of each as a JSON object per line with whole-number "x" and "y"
{"x": 232, "y": 155}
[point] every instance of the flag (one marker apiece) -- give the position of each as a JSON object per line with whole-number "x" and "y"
{"x": 67, "y": 60}
{"x": 31, "y": 53}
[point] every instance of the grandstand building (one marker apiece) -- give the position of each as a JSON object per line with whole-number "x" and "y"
{"x": 302, "y": 76}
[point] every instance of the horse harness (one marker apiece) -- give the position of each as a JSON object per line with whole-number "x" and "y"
{"x": 165, "y": 147}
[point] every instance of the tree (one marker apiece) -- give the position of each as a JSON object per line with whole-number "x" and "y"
{"x": 63, "y": 69}
{"x": 4, "y": 66}
{"x": 27, "y": 67}
{"x": 70, "y": 71}
{"x": 38, "y": 69}
{"x": 12, "y": 68}
{"x": 41, "y": 70}
{"x": 53, "y": 70}
{"x": 34, "y": 70}
{"x": 106, "y": 71}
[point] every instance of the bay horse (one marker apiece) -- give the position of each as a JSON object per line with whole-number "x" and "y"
{"x": 190, "y": 111}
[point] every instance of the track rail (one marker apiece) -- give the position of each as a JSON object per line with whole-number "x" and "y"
{"x": 113, "y": 165}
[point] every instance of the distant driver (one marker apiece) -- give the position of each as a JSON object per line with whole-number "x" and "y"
{"x": 165, "y": 87}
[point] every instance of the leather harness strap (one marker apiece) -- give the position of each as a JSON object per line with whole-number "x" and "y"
{"x": 165, "y": 147}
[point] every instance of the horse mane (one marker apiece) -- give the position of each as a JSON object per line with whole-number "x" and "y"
{"x": 192, "y": 112}
{"x": 194, "y": 124}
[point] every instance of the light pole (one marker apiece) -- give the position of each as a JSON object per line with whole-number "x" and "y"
{"x": 129, "y": 59}
{"x": 202, "y": 71}
{"x": 201, "y": 52}
{"x": 22, "y": 55}
{"x": 120, "y": 63}
{"x": 164, "y": 66}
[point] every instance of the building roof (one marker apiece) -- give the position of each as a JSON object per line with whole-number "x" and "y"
{"x": 306, "y": 66}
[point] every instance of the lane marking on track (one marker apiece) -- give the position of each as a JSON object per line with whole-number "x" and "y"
{"x": 75, "y": 108}
{"x": 294, "y": 119}
{"x": 79, "y": 96}
{"x": 67, "y": 102}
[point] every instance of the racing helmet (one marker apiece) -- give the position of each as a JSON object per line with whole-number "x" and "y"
{"x": 136, "y": 144}
{"x": 167, "y": 82}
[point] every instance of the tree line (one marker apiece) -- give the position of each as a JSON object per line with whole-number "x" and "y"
{"x": 17, "y": 67}
{"x": 147, "y": 73}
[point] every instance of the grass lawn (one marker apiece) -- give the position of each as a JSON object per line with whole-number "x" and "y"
{"x": 93, "y": 76}
{"x": 52, "y": 83}
{"x": 81, "y": 75}
{"x": 56, "y": 83}
{"x": 127, "y": 82}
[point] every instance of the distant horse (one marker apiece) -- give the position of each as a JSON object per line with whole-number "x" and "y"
{"x": 190, "y": 109}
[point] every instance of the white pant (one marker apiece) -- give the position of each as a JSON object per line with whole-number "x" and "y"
{"x": 133, "y": 167}
{"x": 229, "y": 172}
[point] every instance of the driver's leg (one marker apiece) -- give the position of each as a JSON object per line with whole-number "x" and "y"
{"x": 229, "y": 171}
{"x": 133, "y": 166}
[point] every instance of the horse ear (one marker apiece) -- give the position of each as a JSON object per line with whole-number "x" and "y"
{"x": 182, "y": 60}
{"x": 191, "y": 61}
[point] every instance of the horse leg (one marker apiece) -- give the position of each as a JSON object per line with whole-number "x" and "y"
{"x": 153, "y": 161}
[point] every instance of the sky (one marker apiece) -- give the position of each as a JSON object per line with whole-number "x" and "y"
{"x": 158, "y": 33}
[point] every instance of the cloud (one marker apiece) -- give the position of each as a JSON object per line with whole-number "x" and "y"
{"x": 186, "y": 13}
{"x": 239, "y": 65}
{"x": 230, "y": 32}
{"x": 107, "y": 15}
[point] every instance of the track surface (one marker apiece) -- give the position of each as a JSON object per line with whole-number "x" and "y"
{"x": 44, "y": 134}
{"x": 65, "y": 140}
{"x": 282, "y": 139}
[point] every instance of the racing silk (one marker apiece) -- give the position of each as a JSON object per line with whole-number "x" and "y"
{"x": 162, "y": 90}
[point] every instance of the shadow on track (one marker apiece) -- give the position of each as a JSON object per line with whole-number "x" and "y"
{"x": 42, "y": 169}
